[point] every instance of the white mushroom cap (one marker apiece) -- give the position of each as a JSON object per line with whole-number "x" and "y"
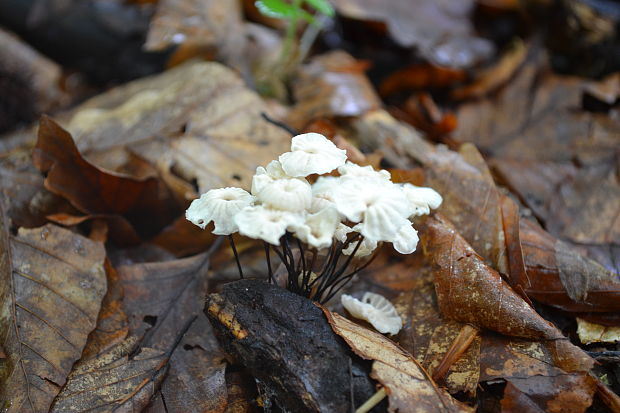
{"x": 375, "y": 309}
{"x": 220, "y": 206}
{"x": 381, "y": 205}
{"x": 287, "y": 194}
{"x": 351, "y": 169}
{"x": 421, "y": 199}
{"x": 319, "y": 228}
{"x": 259, "y": 222}
{"x": 260, "y": 180}
{"x": 406, "y": 239}
{"x": 323, "y": 193}
{"x": 311, "y": 153}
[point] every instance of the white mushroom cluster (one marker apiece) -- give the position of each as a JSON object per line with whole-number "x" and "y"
{"x": 359, "y": 200}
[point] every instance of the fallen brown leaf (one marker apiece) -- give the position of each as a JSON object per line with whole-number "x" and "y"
{"x": 113, "y": 381}
{"x": 213, "y": 27}
{"x": 564, "y": 279}
{"x": 160, "y": 299}
{"x": 428, "y": 337}
{"x": 537, "y": 116}
{"x": 471, "y": 292}
{"x": 112, "y": 326}
{"x": 568, "y": 393}
{"x": 52, "y": 282}
{"x": 145, "y": 202}
{"x": 408, "y": 386}
{"x": 331, "y": 85}
{"x": 197, "y": 121}
{"x": 421, "y": 24}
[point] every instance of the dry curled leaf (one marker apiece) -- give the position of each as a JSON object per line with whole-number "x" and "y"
{"x": 408, "y": 386}
{"x": 52, "y": 282}
{"x": 145, "y": 202}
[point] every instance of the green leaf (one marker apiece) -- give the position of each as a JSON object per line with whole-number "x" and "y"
{"x": 322, "y": 6}
{"x": 277, "y": 9}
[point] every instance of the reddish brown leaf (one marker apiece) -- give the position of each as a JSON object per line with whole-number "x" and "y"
{"x": 408, "y": 385}
{"x": 566, "y": 393}
{"x": 52, "y": 282}
{"x": 421, "y": 76}
{"x": 92, "y": 190}
{"x": 120, "y": 230}
{"x": 562, "y": 278}
{"x": 469, "y": 291}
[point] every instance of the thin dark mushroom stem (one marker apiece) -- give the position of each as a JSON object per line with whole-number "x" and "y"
{"x": 232, "y": 245}
{"x": 268, "y": 256}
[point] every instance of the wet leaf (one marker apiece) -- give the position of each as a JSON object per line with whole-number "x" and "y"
{"x": 421, "y": 24}
{"x": 52, "y": 282}
{"x": 408, "y": 385}
{"x": 145, "y": 202}
{"x": 331, "y": 85}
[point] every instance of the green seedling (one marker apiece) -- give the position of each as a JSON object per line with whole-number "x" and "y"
{"x": 293, "y": 51}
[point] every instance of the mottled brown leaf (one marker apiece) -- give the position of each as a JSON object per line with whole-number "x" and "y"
{"x": 195, "y": 380}
{"x": 115, "y": 381}
{"x": 409, "y": 386}
{"x": 331, "y": 85}
{"x": 428, "y": 336}
{"x": 92, "y": 190}
{"x": 52, "y": 282}
{"x": 470, "y": 291}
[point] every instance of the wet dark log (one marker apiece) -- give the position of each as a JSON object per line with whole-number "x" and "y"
{"x": 286, "y": 343}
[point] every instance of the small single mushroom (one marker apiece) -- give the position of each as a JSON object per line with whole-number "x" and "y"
{"x": 375, "y": 309}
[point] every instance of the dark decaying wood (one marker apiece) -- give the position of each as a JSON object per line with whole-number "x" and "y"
{"x": 286, "y": 343}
